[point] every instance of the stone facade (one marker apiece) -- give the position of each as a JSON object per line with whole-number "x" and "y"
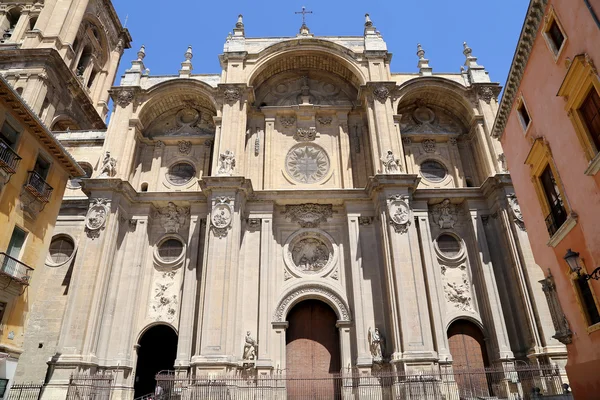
{"x": 306, "y": 170}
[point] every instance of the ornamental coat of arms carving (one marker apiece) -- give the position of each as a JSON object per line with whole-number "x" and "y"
{"x": 172, "y": 217}
{"x": 399, "y": 213}
{"x": 220, "y": 217}
{"x": 96, "y": 217}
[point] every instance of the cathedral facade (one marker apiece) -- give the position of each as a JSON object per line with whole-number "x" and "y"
{"x": 305, "y": 211}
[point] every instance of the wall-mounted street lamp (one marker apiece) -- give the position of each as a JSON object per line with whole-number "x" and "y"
{"x": 572, "y": 258}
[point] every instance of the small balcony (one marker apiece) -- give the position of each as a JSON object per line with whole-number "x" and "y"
{"x": 9, "y": 160}
{"x": 556, "y": 218}
{"x": 37, "y": 186}
{"x": 14, "y": 269}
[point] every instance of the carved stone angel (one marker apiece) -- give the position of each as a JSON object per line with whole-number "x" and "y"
{"x": 376, "y": 345}
{"x": 173, "y": 217}
{"x": 109, "y": 166}
{"x": 226, "y": 163}
{"x": 391, "y": 165}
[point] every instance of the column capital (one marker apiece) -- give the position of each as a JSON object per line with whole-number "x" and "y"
{"x": 231, "y": 93}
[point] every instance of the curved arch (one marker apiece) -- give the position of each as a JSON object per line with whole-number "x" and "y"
{"x": 171, "y": 94}
{"x": 444, "y": 93}
{"x": 468, "y": 318}
{"x": 315, "y": 291}
{"x": 341, "y": 59}
{"x": 62, "y": 122}
{"x": 152, "y": 325}
{"x": 102, "y": 39}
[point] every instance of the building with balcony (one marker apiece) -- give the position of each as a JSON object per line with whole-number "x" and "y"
{"x": 549, "y": 126}
{"x": 34, "y": 171}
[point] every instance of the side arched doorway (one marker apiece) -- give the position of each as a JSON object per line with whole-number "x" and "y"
{"x": 469, "y": 355}
{"x": 157, "y": 350}
{"x": 312, "y": 351}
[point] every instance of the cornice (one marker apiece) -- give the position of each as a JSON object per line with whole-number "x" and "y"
{"x": 533, "y": 18}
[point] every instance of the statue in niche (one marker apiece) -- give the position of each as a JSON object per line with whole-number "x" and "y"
{"x": 109, "y": 166}
{"x": 250, "y": 347}
{"x": 446, "y": 214}
{"x": 376, "y": 345}
{"x": 226, "y": 163}
{"x": 310, "y": 255}
{"x": 391, "y": 165}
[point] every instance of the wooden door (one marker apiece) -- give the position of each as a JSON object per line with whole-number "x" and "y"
{"x": 469, "y": 357}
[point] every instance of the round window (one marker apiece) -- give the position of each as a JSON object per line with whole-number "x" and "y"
{"x": 448, "y": 245}
{"x": 433, "y": 171}
{"x": 170, "y": 250}
{"x": 61, "y": 249}
{"x": 181, "y": 173}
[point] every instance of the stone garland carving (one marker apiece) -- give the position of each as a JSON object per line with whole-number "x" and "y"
{"x": 391, "y": 164}
{"x": 561, "y": 325}
{"x": 226, "y": 163}
{"x": 95, "y": 219}
{"x": 109, "y": 166}
{"x": 231, "y": 95}
{"x": 516, "y": 210}
{"x": 221, "y": 215}
{"x": 287, "y": 122}
{"x": 376, "y": 345}
{"x": 325, "y": 120}
{"x": 312, "y": 289}
{"x": 399, "y": 213}
{"x": 185, "y": 146}
{"x": 307, "y": 163}
{"x": 305, "y": 135}
{"x": 381, "y": 93}
{"x": 172, "y": 217}
{"x": 429, "y": 145}
{"x": 445, "y": 214}
{"x": 250, "y": 349}
{"x": 502, "y": 161}
{"x": 124, "y": 98}
{"x": 164, "y": 301}
{"x": 308, "y": 215}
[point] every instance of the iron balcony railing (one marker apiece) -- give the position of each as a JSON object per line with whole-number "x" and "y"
{"x": 556, "y": 218}
{"x": 9, "y": 160}
{"x": 37, "y": 186}
{"x": 15, "y": 269}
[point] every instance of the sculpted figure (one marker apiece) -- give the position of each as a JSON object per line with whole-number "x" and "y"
{"x": 226, "y": 163}
{"x": 376, "y": 344}
{"x": 391, "y": 165}
{"x": 250, "y": 347}
{"x": 109, "y": 166}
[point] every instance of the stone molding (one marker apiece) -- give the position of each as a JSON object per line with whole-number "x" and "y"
{"x": 561, "y": 325}
{"x": 312, "y": 291}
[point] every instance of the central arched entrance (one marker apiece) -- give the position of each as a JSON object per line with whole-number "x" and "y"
{"x": 156, "y": 352}
{"x": 312, "y": 350}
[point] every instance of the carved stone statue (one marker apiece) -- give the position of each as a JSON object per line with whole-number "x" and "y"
{"x": 226, "y": 163}
{"x": 109, "y": 166}
{"x": 391, "y": 165}
{"x": 250, "y": 347}
{"x": 376, "y": 345}
{"x": 445, "y": 214}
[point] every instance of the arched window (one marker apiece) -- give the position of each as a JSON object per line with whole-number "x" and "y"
{"x": 32, "y": 22}
{"x": 8, "y": 27}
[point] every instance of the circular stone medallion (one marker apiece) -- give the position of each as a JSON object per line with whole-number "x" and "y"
{"x": 221, "y": 216}
{"x": 96, "y": 217}
{"x": 310, "y": 252}
{"x": 307, "y": 163}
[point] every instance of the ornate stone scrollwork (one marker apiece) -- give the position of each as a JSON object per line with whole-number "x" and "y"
{"x": 391, "y": 164}
{"x": 399, "y": 213}
{"x": 312, "y": 290}
{"x": 221, "y": 215}
{"x": 365, "y": 220}
{"x": 310, "y": 252}
{"x": 185, "y": 146}
{"x": 381, "y": 93}
{"x": 172, "y": 217}
{"x": 232, "y": 95}
{"x": 325, "y": 120}
{"x": 95, "y": 219}
{"x": 429, "y": 145}
{"x": 445, "y": 214}
{"x": 124, "y": 98}
{"x": 516, "y": 210}
{"x": 287, "y": 122}
{"x": 307, "y": 163}
{"x": 226, "y": 163}
{"x": 308, "y": 215}
{"x": 458, "y": 294}
{"x": 487, "y": 93}
{"x": 305, "y": 135}
{"x": 376, "y": 345}
{"x": 502, "y": 161}
{"x": 109, "y": 166}
{"x": 561, "y": 325}
{"x": 163, "y": 304}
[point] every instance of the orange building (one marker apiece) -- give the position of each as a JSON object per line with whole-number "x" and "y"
{"x": 549, "y": 126}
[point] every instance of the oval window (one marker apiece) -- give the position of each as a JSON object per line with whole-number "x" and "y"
{"x": 448, "y": 245}
{"x": 433, "y": 171}
{"x": 61, "y": 249}
{"x": 181, "y": 173}
{"x": 170, "y": 250}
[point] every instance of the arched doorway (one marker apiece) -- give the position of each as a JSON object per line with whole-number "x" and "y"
{"x": 312, "y": 350}
{"x": 469, "y": 355}
{"x": 156, "y": 352}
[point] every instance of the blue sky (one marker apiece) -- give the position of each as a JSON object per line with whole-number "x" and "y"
{"x": 490, "y": 27}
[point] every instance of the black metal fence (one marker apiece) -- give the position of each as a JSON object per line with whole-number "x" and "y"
{"x": 25, "y": 391}
{"x": 510, "y": 383}
{"x": 90, "y": 387}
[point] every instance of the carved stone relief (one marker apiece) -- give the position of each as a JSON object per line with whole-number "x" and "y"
{"x": 287, "y": 122}
{"x": 172, "y": 217}
{"x": 185, "y": 146}
{"x": 308, "y": 215}
{"x": 391, "y": 164}
{"x": 232, "y": 95}
{"x": 307, "y": 163}
{"x": 96, "y": 217}
{"x": 429, "y": 145}
{"x": 290, "y": 90}
{"x": 191, "y": 120}
{"x": 325, "y": 120}
{"x": 310, "y": 252}
{"x": 226, "y": 163}
{"x": 124, "y": 98}
{"x": 305, "y": 135}
{"x": 445, "y": 214}
{"x": 516, "y": 210}
{"x": 376, "y": 345}
{"x": 312, "y": 290}
{"x": 502, "y": 161}
{"x": 422, "y": 119}
{"x": 381, "y": 93}
{"x": 457, "y": 287}
{"x": 221, "y": 215}
{"x": 399, "y": 213}
{"x": 164, "y": 302}
{"x": 561, "y": 325}
{"x": 109, "y": 166}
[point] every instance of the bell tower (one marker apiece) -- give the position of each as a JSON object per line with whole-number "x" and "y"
{"x": 62, "y": 57}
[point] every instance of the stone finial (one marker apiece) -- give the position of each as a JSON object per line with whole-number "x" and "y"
{"x": 240, "y": 22}
{"x": 368, "y": 22}
{"x": 424, "y": 68}
{"x": 188, "y": 54}
{"x": 471, "y": 61}
{"x": 186, "y": 66}
{"x": 476, "y": 73}
{"x": 141, "y": 53}
{"x": 238, "y": 31}
{"x": 467, "y": 50}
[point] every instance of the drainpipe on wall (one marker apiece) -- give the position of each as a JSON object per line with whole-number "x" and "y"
{"x": 594, "y": 16}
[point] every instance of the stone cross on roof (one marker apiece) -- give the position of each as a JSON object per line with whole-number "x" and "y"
{"x": 303, "y": 12}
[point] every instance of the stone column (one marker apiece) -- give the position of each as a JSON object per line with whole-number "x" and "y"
{"x": 269, "y": 133}
{"x": 344, "y": 141}
{"x": 120, "y": 139}
{"x": 234, "y": 99}
{"x": 217, "y": 345}
{"x": 280, "y": 345}
{"x": 20, "y": 27}
{"x": 159, "y": 151}
{"x": 345, "y": 348}
{"x": 265, "y": 311}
